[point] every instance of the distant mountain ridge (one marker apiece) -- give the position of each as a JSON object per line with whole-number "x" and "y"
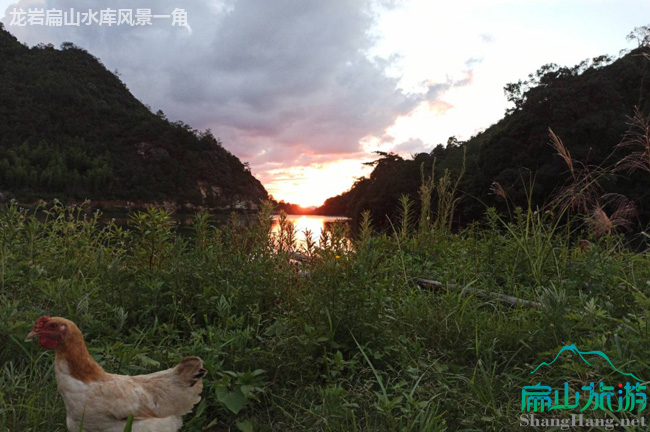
{"x": 588, "y": 106}
{"x": 70, "y": 129}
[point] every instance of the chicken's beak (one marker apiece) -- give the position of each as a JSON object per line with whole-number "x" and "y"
{"x": 32, "y": 335}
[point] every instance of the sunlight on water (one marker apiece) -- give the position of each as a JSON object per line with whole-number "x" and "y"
{"x": 314, "y": 224}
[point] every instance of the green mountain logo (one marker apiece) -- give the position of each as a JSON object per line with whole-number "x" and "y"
{"x": 574, "y": 349}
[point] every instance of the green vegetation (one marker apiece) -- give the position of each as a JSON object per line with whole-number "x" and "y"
{"x": 347, "y": 342}
{"x": 350, "y": 340}
{"x": 588, "y": 106}
{"x": 71, "y": 129}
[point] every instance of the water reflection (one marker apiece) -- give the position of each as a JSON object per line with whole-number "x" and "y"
{"x": 313, "y": 224}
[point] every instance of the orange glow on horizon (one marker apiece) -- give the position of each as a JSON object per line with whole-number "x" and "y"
{"x": 310, "y": 186}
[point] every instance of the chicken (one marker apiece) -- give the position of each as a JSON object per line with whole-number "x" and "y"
{"x": 103, "y": 402}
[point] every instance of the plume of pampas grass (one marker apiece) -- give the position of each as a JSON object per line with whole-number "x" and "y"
{"x": 637, "y": 138}
{"x": 584, "y": 194}
{"x": 601, "y": 223}
{"x": 497, "y": 190}
{"x": 561, "y": 149}
{"x": 583, "y": 189}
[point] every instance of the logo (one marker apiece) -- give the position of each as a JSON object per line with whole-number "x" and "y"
{"x": 574, "y": 349}
{"x": 625, "y": 395}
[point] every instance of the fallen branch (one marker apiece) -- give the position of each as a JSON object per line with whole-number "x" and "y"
{"x": 431, "y": 285}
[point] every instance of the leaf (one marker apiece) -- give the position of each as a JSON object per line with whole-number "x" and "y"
{"x": 246, "y": 389}
{"x": 233, "y": 400}
{"x": 129, "y": 424}
{"x": 245, "y": 426}
{"x": 148, "y": 361}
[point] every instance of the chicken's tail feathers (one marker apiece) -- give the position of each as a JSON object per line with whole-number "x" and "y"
{"x": 191, "y": 370}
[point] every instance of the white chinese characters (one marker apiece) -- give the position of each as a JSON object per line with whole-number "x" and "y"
{"x": 104, "y": 17}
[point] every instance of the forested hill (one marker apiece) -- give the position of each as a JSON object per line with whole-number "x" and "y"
{"x": 589, "y": 108}
{"x": 70, "y": 129}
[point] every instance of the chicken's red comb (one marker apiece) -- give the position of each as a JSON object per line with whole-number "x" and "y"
{"x": 41, "y": 322}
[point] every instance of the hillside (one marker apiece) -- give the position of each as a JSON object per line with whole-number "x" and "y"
{"x": 588, "y": 106}
{"x": 71, "y": 129}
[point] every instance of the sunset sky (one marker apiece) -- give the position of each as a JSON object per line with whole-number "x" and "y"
{"x": 306, "y": 90}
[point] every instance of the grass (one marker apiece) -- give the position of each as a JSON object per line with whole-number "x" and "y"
{"x": 348, "y": 342}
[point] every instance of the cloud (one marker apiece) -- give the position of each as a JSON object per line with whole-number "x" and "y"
{"x": 412, "y": 147}
{"x": 487, "y": 38}
{"x": 280, "y": 82}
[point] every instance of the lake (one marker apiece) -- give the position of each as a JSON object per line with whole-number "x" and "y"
{"x": 315, "y": 224}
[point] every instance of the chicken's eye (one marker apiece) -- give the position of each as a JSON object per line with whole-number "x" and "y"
{"x": 52, "y": 326}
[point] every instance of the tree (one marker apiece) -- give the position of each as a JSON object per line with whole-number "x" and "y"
{"x": 515, "y": 93}
{"x": 641, "y": 35}
{"x": 453, "y": 142}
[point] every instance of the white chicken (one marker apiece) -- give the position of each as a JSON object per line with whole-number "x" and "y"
{"x": 103, "y": 402}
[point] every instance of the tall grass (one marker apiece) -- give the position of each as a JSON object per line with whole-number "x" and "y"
{"x": 347, "y": 342}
